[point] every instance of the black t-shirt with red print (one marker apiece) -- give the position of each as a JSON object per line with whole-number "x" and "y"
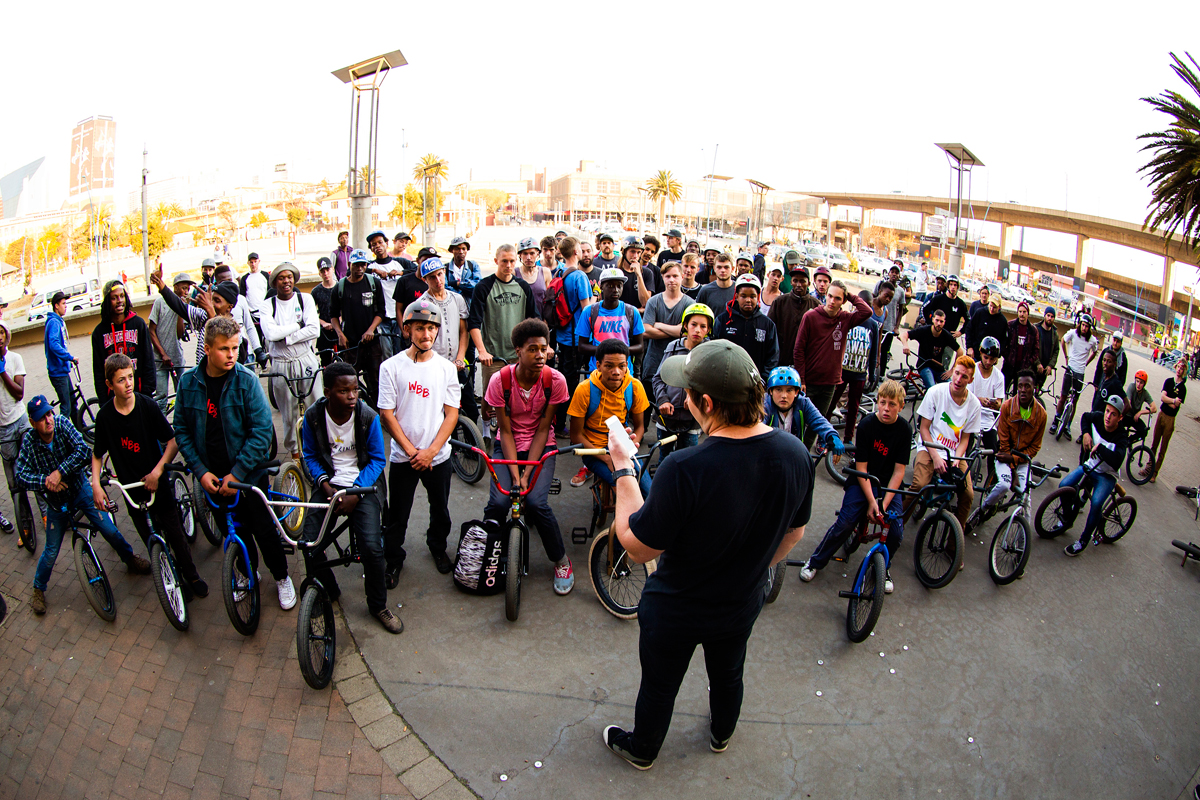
{"x": 882, "y": 446}
{"x": 216, "y": 454}
{"x": 132, "y": 441}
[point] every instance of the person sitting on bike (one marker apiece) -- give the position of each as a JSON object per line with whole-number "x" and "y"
{"x": 137, "y": 438}
{"x": 13, "y": 423}
{"x": 786, "y": 407}
{"x": 1110, "y": 382}
{"x": 223, "y": 428}
{"x": 418, "y": 402}
{"x": 674, "y": 418}
{"x": 1140, "y": 404}
{"x": 1020, "y": 427}
{"x": 526, "y": 398}
{"x": 610, "y": 391}
{"x": 931, "y": 339}
{"x": 290, "y": 325}
{"x": 343, "y": 448}
{"x": 744, "y": 324}
{"x": 52, "y": 460}
{"x": 1120, "y": 363}
{"x": 1104, "y": 446}
{"x": 948, "y": 415}
{"x": 884, "y": 445}
{"x": 988, "y": 388}
{"x": 1079, "y": 347}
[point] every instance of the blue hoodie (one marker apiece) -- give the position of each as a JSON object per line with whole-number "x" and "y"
{"x": 803, "y": 412}
{"x": 58, "y": 358}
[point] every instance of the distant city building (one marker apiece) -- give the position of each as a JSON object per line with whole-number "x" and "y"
{"x": 24, "y": 190}
{"x": 93, "y": 157}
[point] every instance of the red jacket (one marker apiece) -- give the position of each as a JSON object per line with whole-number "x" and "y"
{"x": 821, "y": 340}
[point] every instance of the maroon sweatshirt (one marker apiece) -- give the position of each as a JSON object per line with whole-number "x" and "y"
{"x": 821, "y": 340}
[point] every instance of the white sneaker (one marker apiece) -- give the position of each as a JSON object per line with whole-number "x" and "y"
{"x": 888, "y": 588}
{"x": 242, "y": 585}
{"x": 807, "y": 573}
{"x": 287, "y": 593}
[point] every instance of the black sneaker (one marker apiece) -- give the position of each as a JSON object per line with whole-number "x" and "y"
{"x": 716, "y": 745}
{"x": 1073, "y": 549}
{"x": 199, "y": 587}
{"x": 443, "y": 562}
{"x": 617, "y": 740}
{"x": 5, "y": 525}
{"x": 391, "y": 577}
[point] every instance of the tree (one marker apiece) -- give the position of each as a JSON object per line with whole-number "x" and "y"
{"x": 431, "y": 170}
{"x": 411, "y": 212}
{"x": 228, "y": 214}
{"x": 258, "y": 220}
{"x": 663, "y": 187}
{"x": 1174, "y": 168}
{"x": 168, "y": 211}
{"x": 129, "y": 230}
{"x": 296, "y": 215}
{"x": 491, "y": 199}
{"x": 158, "y": 238}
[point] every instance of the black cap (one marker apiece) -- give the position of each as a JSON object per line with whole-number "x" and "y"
{"x": 252, "y": 257}
{"x": 402, "y": 236}
{"x": 57, "y": 297}
{"x": 324, "y": 263}
{"x": 427, "y": 252}
{"x": 675, "y": 232}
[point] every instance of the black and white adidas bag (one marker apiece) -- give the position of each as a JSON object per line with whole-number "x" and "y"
{"x": 479, "y": 565}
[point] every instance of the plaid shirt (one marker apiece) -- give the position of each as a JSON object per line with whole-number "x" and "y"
{"x": 67, "y": 453}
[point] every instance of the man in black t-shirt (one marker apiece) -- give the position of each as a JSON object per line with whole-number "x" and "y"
{"x": 674, "y": 251}
{"x": 129, "y": 429}
{"x": 883, "y": 444}
{"x": 932, "y": 340}
{"x": 1108, "y": 382}
{"x": 357, "y": 308}
{"x": 1174, "y": 392}
{"x": 713, "y": 555}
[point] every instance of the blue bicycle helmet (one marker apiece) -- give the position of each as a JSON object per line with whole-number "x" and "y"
{"x": 430, "y": 266}
{"x": 783, "y": 376}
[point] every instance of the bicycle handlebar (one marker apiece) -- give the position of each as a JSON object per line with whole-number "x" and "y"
{"x": 356, "y": 491}
{"x": 875, "y": 482}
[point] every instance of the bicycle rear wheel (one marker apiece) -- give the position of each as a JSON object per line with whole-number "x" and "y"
{"x": 26, "y": 523}
{"x": 187, "y": 510}
{"x": 316, "y": 637}
{"x": 618, "y": 588}
{"x": 862, "y": 612}
{"x": 1140, "y": 460}
{"x": 513, "y": 574}
{"x": 834, "y": 464}
{"x": 241, "y": 602}
{"x": 1009, "y": 551}
{"x": 290, "y": 481}
{"x": 938, "y": 550}
{"x": 1118, "y": 519}
{"x": 168, "y": 586}
{"x": 96, "y": 588}
{"x": 1057, "y": 513}
{"x": 775, "y": 576}
{"x": 87, "y": 420}
{"x": 467, "y": 465}
{"x": 203, "y": 513}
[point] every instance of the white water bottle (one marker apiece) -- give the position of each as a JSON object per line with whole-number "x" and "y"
{"x": 618, "y": 439}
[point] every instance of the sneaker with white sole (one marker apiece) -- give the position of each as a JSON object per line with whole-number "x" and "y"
{"x": 807, "y": 573}
{"x": 5, "y": 525}
{"x": 287, "y": 593}
{"x": 564, "y": 579}
{"x": 1073, "y": 549}
{"x": 240, "y": 585}
{"x": 617, "y": 741}
{"x": 580, "y": 477}
{"x": 888, "y": 588}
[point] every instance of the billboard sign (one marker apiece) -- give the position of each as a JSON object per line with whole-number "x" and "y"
{"x": 93, "y": 152}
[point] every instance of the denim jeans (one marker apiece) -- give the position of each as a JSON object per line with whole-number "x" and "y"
{"x": 1102, "y": 486}
{"x": 66, "y": 397}
{"x": 686, "y": 439}
{"x": 537, "y": 503}
{"x": 927, "y": 377}
{"x": 854, "y": 508}
{"x": 60, "y": 513}
{"x": 601, "y": 470}
{"x": 367, "y": 527}
{"x": 388, "y": 346}
{"x": 402, "y": 487}
{"x": 164, "y": 375}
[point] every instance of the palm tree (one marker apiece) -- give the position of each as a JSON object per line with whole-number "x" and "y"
{"x": 663, "y": 187}
{"x": 1174, "y": 169}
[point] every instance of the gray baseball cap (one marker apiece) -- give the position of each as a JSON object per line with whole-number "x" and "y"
{"x": 208, "y": 262}
{"x": 182, "y": 277}
{"x": 718, "y": 368}
{"x": 1116, "y": 401}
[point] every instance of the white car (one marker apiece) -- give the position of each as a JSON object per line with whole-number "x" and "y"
{"x": 869, "y": 263}
{"x": 838, "y": 260}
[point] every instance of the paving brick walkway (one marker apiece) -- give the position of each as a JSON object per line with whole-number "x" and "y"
{"x": 136, "y": 709}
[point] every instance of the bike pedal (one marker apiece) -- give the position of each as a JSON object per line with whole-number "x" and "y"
{"x": 555, "y": 486}
{"x": 840, "y": 559}
{"x": 579, "y": 535}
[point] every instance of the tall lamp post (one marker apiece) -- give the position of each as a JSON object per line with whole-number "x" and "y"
{"x": 961, "y": 161}
{"x": 365, "y": 79}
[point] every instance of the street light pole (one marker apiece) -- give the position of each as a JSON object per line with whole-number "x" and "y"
{"x": 145, "y": 232}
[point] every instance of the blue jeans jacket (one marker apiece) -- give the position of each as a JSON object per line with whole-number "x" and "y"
{"x": 245, "y": 415}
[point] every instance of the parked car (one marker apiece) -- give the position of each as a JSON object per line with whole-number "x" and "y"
{"x": 838, "y": 260}
{"x": 816, "y": 257}
{"x": 82, "y": 293}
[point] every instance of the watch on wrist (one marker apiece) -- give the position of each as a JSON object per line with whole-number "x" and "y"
{"x": 627, "y": 472}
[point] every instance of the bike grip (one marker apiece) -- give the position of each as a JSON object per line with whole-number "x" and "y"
{"x": 360, "y": 490}
{"x": 241, "y": 487}
{"x": 175, "y": 466}
{"x": 668, "y": 439}
{"x": 592, "y": 451}
{"x": 457, "y": 443}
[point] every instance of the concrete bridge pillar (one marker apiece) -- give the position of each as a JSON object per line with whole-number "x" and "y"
{"x": 1166, "y": 294}
{"x": 1006, "y": 241}
{"x": 1083, "y": 255}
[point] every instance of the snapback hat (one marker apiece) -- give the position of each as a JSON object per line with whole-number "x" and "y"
{"x": 39, "y": 407}
{"x": 182, "y": 277}
{"x": 718, "y": 368}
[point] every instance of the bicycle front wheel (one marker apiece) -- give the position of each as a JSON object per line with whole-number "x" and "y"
{"x": 1139, "y": 465}
{"x": 835, "y": 463}
{"x": 775, "y": 576}
{"x": 1118, "y": 519}
{"x": 241, "y": 599}
{"x": 617, "y": 585}
{"x": 468, "y": 466}
{"x": 168, "y": 586}
{"x": 1010, "y": 550}
{"x": 187, "y": 510}
{"x": 203, "y": 513}
{"x": 27, "y": 523}
{"x": 938, "y": 550}
{"x": 1057, "y": 513}
{"x": 316, "y": 637}
{"x": 290, "y": 482}
{"x": 94, "y": 580}
{"x": 87, "y": 420}
{"x": 512, "y": 574}
{"x": 862, "y": 612}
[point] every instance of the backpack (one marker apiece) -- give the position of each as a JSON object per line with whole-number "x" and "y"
{"x": 479, "y": 563}
{"x": 506, "y": 382}
{"x": 594, "y": 403}
{"x": 556, "y": 309}
{"x": 376, "y": 286}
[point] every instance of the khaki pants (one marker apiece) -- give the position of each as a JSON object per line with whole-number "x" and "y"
{"x": 923, "y": 474}
{"x": 1164, "y": 429}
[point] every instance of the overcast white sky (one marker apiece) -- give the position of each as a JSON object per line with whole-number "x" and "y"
{"x": 804, "y": 96}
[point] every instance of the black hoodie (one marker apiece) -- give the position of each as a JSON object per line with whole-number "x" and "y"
{"x": 129, "y": 335}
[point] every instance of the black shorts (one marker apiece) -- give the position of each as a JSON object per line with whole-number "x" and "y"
{"x": 1071, "y": 379}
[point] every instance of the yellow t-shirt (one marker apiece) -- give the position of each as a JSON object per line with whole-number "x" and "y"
{"x": 612, "y": 404}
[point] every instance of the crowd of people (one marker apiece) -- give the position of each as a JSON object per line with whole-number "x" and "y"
{"x": 565, "y": 333}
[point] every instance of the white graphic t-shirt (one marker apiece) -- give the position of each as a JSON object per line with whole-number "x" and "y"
{"x": 949, "y": 422}
{"x": 417, "y": 394}
{"x": 342, "y": 452}
{"x": 991, "y": 388}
